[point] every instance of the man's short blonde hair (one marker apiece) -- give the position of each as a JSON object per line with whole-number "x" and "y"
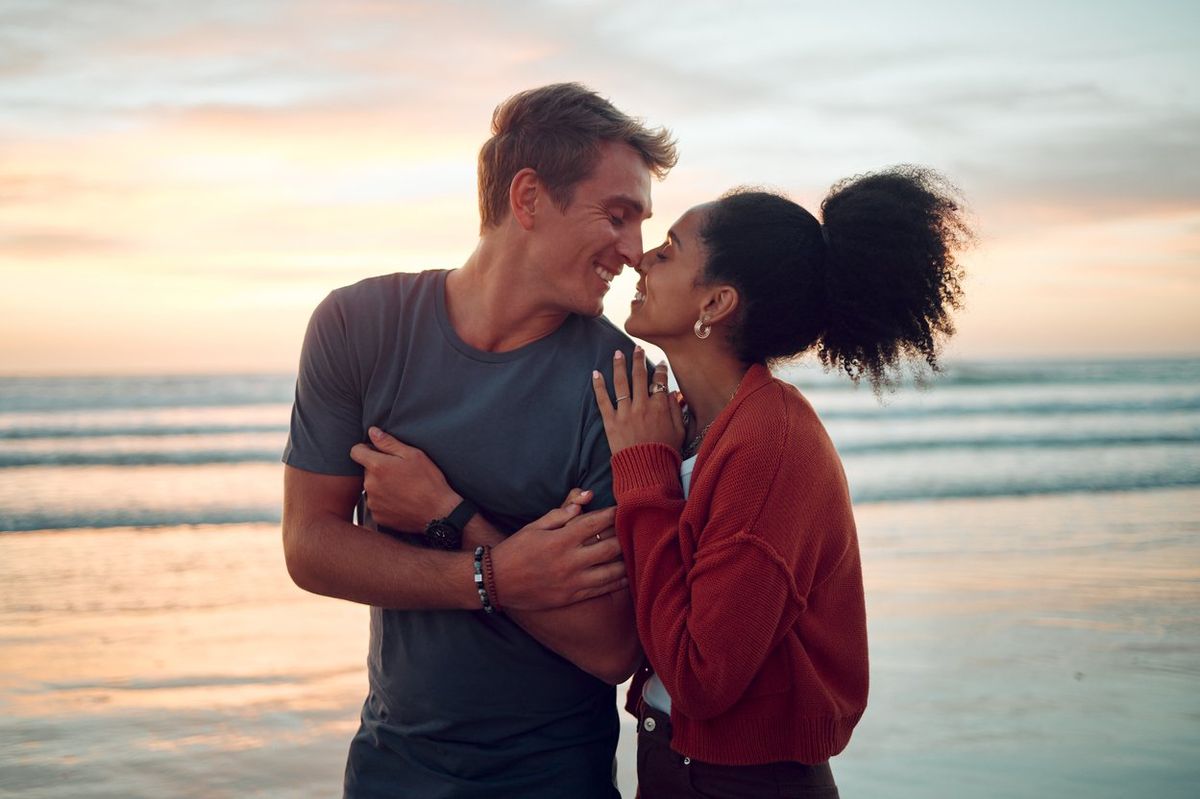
{"x": 557, "y": 130}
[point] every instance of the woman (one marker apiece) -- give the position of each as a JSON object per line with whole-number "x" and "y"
{"x": 733, "y": 513}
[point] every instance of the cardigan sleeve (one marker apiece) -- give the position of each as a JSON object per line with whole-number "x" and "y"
{"x": 708, "y": 626}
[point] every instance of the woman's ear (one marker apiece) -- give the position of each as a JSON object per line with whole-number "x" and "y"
{"x": 721, "y": 304}
{"x": 523, "y": 195}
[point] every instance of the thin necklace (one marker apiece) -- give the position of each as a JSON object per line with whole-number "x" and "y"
{"x": 693, "y": 446}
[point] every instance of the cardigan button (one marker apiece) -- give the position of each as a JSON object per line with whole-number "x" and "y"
{"x": 687, "y": 761}
{"x": 649, "y": 724}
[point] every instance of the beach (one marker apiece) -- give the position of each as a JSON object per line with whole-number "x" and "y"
{"x": 1030, "y": 534}
{"x": 1021, "y": 647}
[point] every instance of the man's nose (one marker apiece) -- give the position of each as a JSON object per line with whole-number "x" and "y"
{"x": 629, "y": 247}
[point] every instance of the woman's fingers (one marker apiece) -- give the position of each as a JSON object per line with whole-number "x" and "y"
{"x": 605, "y": 574}
{"x": 556, "y": 518}
{"x": 595, "y": 552}
{"x": 678, "y": 424}
{"x": 620, "y": 379}
{"x": 639, "y": 377}
{"x": 619, "y": 584}
{"x": 577, "y": 496}
{"x": 675, "y": 408}
{"x": 658, "y": 382}
{"x": 602, "y": 399}
{"x": 590, "y": 523}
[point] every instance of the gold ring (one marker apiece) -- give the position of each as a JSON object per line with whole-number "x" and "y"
{"x": 622, "y": 397}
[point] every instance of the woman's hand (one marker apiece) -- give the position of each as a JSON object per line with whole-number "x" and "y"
{"x": 405, "y": 489}
{"x": 641, "y": 414}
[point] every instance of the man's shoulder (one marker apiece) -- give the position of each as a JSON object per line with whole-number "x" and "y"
{"x": 600, "y": 335}
{"x": 383, "y": 290}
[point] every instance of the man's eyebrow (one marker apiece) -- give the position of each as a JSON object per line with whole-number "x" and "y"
{"x": 634, "y": 205}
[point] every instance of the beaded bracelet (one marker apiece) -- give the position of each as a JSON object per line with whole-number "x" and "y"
{"x": 480, "y": 586}
{"x": 489, "y": 582}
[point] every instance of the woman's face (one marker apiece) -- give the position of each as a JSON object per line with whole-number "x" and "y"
{"x": 669, "y": 299}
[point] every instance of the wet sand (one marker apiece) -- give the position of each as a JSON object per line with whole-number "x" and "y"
{"x": 1020, "y": 647}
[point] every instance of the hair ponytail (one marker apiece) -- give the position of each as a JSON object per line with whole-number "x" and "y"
{"x": 891, "y": 276}
{"x": 873, "y": 285}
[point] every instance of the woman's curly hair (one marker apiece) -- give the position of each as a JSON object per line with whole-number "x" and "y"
{"x": 871, "y": 288}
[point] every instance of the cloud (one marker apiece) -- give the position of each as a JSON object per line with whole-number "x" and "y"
{"x": 43, "y": 189}
{"x": 51, "y": 243}
{"x": 93, "y": 62}
{"x": 1135, "y": 167}
{"x": 287, "y": 145}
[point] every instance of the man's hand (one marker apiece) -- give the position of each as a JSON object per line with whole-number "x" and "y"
{"x": 562, "y": 558}
{"x": 405, "y": 489}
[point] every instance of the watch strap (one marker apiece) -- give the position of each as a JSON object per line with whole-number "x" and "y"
{"x": 462, "y": 514}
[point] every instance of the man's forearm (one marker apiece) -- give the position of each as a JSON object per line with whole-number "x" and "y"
{"x": 597, "y": 635}
{"x": 329, "y": 556}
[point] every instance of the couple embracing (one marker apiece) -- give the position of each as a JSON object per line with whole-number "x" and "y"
{"x": 533, "y": 515}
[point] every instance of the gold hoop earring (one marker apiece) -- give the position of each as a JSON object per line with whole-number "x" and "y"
{"x": 702, "y": 328}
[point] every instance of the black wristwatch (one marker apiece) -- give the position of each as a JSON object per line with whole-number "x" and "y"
{"x": 447, "y": 533}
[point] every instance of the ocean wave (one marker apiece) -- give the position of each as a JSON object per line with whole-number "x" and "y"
{"x": 16, "y": 458}
{"x": 19, "y": 394}
{"x": 149, "y": 517}
{"x": 861, "y": 495}
{"x": 105, "y": 431}
{"x": 1033, "y": 442}
{"x": 1083, "y": 484}
{"x": 1149, "y": 371}
{"x": 1033, "y": 406}
{"x": 1145, "y": 371}
{"x": 97, "y": 453}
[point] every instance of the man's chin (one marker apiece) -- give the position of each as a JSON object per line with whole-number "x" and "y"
{"x": 594, "y": 311}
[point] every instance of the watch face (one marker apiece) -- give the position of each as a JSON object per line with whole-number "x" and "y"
{"x": 443, "y": 535}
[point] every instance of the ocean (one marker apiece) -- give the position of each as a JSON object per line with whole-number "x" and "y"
{"x": 1031, "y": 552}
{"x": 111, "y": 452}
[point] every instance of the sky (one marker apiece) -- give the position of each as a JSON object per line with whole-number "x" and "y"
{"x": 180, "y": 184}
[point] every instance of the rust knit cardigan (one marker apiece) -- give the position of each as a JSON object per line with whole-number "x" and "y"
{"x": 748, "y": 596}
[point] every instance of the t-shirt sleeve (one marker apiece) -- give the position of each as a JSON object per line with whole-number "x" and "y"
{"x": 597, "y": 464}
{"x": 597, "y": 457}
{"x": 327, "y": 413}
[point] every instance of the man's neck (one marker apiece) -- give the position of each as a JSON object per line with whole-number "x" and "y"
{"x": 489, "y": 304}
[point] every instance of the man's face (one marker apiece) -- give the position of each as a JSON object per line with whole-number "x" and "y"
{"x": 581, "y": 249}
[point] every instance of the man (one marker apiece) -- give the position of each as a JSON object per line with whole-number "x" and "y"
{"x": 487, "y": 369}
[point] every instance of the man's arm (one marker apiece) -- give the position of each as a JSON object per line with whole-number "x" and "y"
{"x": 327, "y": 554}
{"x": 598, "y": 635}
{"x": 595, "y": 632}
{"x": 558, "y": 586}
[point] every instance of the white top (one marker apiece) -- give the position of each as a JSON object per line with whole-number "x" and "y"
{"x": 654, "y": 692}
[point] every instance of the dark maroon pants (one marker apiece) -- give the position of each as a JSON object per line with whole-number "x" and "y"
{"x": 666, "y": 774}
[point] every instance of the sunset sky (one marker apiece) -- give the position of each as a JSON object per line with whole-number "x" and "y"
{"x": 181, "y": 183}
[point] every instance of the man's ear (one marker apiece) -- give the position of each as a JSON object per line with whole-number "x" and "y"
{"x": 721, "y": 304}
{"x": 523, "y": 194}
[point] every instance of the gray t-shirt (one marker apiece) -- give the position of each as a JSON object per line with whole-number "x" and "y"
{"x": 464, "y": 704}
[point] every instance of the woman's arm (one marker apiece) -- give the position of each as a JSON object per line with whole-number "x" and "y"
{"x": 713, "y": 602}
{"x": 707, "y": 626}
